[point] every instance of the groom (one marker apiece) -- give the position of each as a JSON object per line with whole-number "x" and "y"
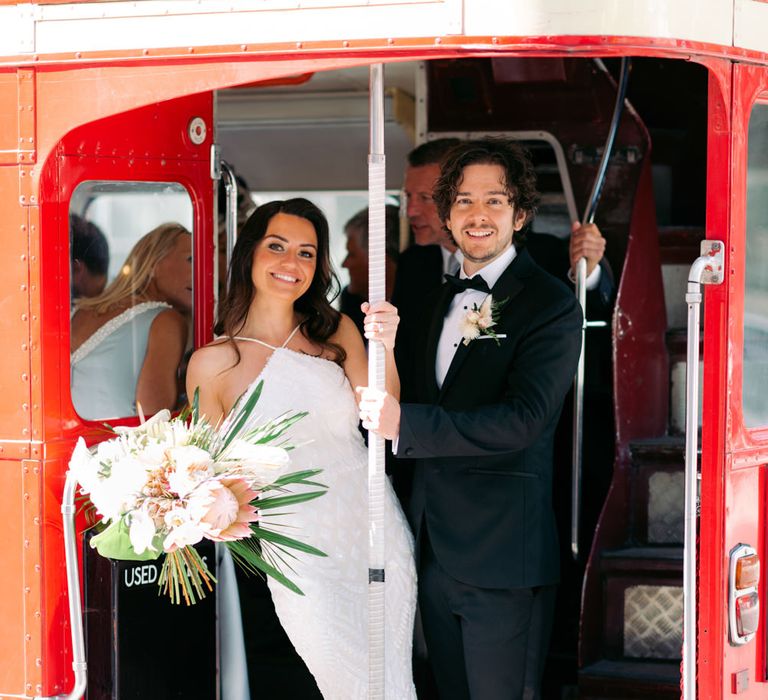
{"x": 480, "y": 406}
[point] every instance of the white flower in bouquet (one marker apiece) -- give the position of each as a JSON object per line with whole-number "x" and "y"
{"x": 257, "y": 464}
{"x": 117, "y": 493}
{"x": 155, "y": 427}
{"x": 184, "y": 529}
{"x": 84, "y": 466}
{"x": 188, "y": 467}
{"x": 142, "y": 531}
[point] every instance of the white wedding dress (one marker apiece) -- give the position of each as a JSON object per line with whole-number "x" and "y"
{"x": 328, "y": 625}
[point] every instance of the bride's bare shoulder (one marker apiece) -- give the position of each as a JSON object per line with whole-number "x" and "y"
{"x": 213, "y": 358}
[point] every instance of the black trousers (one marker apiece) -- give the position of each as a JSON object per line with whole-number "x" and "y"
{"x": 483, "y": 643}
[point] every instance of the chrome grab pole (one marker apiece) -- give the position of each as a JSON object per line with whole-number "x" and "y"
{"x": 79, "y": 665}
{"x": 581, "y": 294}
{"x": 230, "y": 187}
{"x": 578, "y": 412}
{"x": 376, "y": 379}
{"x": 706, "y": 269}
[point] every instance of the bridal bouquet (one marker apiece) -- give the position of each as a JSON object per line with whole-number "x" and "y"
{"x": 169, "y": 483}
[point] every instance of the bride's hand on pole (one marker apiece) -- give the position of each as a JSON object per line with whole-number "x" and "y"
{"x": 380, "y": 323}
{"x": 379, "y": 412}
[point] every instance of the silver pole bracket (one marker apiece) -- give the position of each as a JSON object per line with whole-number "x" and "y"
{"x": 215, "y": 161}
{"x": 714, "y": 266}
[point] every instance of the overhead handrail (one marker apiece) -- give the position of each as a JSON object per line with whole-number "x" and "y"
{"x": 706, "y": 269}
{"x": 581, "y": 294}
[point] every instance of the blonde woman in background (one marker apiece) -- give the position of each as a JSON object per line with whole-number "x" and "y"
{"x": 127, "y": 343}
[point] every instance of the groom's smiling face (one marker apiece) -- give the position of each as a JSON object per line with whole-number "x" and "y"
{"x": 483, "y": 219}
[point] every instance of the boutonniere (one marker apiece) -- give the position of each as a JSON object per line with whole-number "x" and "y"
{"x": 479, "y": 321}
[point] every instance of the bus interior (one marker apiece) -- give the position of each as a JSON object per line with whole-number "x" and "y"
{"x": 618, "y": 625}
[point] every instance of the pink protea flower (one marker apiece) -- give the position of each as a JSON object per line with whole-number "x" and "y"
{"x": 229, "y": 513}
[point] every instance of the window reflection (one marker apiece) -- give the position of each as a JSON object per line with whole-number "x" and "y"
{"x": 131, "y": 282}
{"x": 755, "y": 384}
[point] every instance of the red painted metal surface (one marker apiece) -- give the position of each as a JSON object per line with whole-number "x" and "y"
{"x": 148, "y": 144}
{"x": 746, "y": 450}
{"x": 712, "y": 624}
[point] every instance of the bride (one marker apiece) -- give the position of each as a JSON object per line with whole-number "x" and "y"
{"x": 276, "y": 325}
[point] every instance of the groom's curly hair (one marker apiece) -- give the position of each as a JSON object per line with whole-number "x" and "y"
{"x": 519, "y": 176}
{"x": 320, "y": 319}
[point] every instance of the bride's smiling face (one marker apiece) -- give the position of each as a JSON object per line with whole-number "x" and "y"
{"x": 284, "y": 261}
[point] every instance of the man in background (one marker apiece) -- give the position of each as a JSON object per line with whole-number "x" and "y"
{"x": 356, "y": 262}
{"x": 89, "y": 253}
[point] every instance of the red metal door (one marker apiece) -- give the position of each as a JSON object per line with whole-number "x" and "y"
{"x": 168, "y": 142}
{"x": 734, "y": 441}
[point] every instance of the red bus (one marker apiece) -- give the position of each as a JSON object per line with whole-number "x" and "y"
{"x": 120, "y": 112}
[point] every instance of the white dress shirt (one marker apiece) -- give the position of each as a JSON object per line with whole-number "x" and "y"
{"x": 451, "y": 336}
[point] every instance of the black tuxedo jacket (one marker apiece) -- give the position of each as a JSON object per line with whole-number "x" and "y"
{"x": 482, "y": 445}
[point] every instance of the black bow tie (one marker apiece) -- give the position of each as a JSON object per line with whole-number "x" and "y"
{"x": 463, "y": 284}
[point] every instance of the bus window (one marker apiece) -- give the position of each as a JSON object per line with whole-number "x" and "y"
{"x": 755, "y": 396}
{"x": 131, "y": 296}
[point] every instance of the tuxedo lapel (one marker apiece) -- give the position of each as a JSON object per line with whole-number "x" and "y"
{"x": 508, "y": 286}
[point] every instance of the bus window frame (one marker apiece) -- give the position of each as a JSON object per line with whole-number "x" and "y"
{"x": 747, "y": 435}
{"x": 124, "y": 420}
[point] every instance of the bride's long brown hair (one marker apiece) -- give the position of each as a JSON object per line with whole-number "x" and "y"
{"x": 320, "y": 319}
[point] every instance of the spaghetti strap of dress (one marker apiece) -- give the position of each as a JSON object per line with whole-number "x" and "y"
{"x": 290, "y": 337}
{"x": 267, "y": 345}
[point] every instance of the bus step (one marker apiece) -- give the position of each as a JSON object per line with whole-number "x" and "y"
{"x": 629, "y": 679}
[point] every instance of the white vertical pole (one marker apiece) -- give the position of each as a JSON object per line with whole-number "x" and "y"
{"x": 376, "y": 476}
